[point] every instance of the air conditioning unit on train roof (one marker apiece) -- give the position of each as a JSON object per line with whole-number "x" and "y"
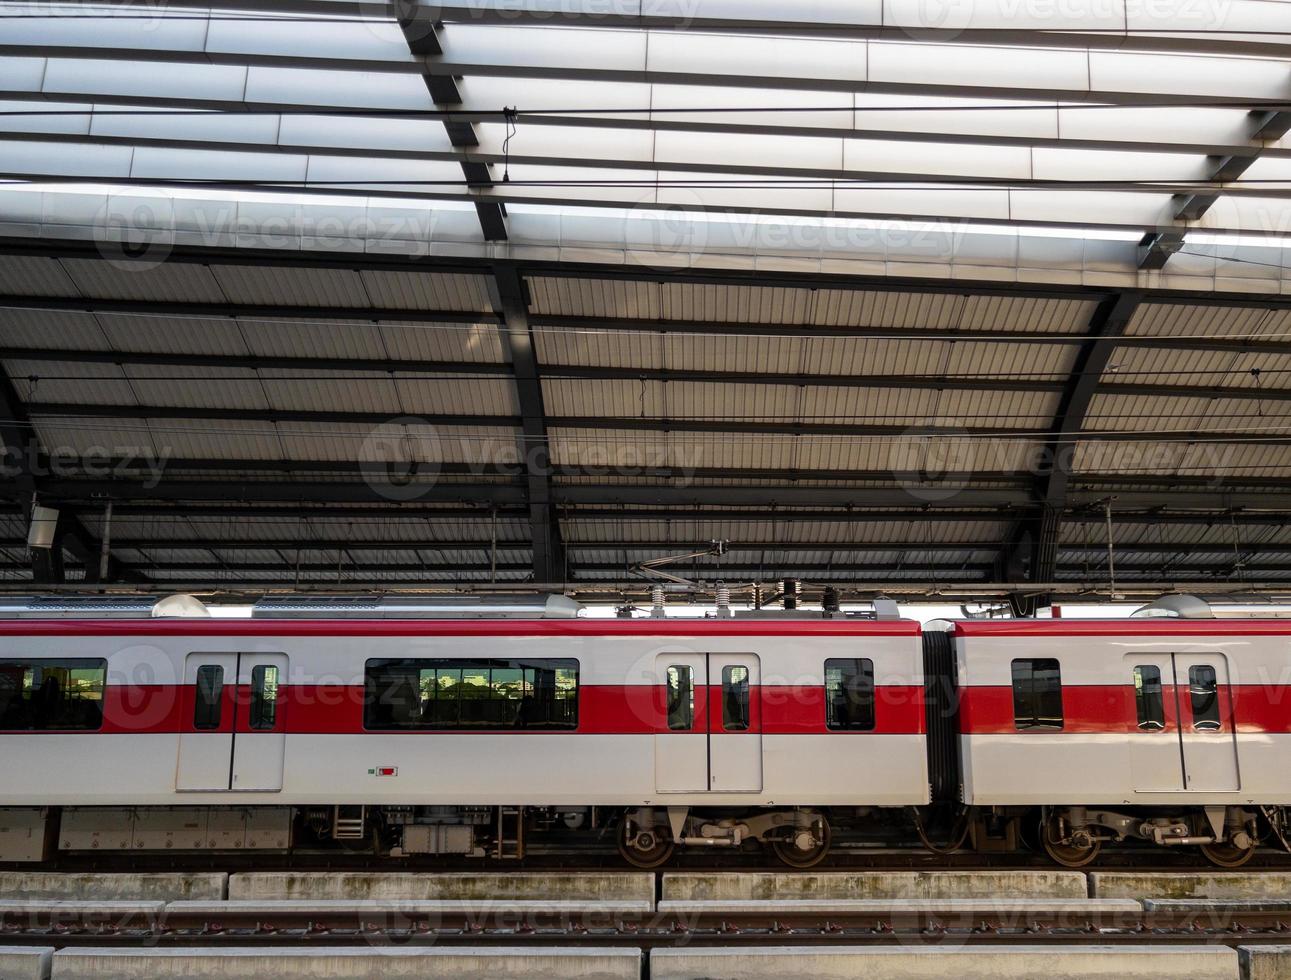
{"x": 411, "y": 606}
{"x": 103, "y": 607}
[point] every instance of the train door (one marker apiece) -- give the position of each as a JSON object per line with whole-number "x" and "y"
{"x": 734, "y": 723}
{"x": 1183, "y": 737}
{"x": 1156, "y": 759}
{"x": 681, "y": 752}
{"x": 1206, "y": 731}
{"x": 260, "y": 735}
{"x": 713, "y": 715}
{"x": 206, "y": 722}
{"x": 232, "y": 731}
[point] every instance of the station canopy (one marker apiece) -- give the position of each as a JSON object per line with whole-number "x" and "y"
{"x": 960, "y": 299}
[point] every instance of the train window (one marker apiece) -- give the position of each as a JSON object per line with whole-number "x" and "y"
{"x": 1203, "y": 689}
{"x": 735, "y": 699}
{"x": 849, "y": 695}
{"x": 210, "y": 692}
{"x": 470, "y": 695}
{"x": 52, "y": 695}
{"x": 264, "y": 698}
{"x": 1148, "y": 700}
{"x": 1037, "y": 694}
{"x": 681, "y": 699}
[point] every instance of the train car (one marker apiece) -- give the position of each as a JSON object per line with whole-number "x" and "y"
{"x": 450, "y": 735}
{"x": 1173, "y": 731}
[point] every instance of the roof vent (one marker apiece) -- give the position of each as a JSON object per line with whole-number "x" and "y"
{"x": 528, "y": 606}
{"x": 102, "y": 607}
{"x": 1175, "y": 607}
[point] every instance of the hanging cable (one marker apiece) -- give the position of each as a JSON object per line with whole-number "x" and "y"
{"x": 509, "y": 114}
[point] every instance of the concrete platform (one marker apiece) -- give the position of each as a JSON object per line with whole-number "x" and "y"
{"x": 1265, "y": 962}
{"x": 27, "y": 885}
{"x": 554, "y": 886}
{"x": 442, "y": 907}
{"x": 69, "y": 911}
{"x": 1205, "y": 884}
{"x": 686, "y": 886}
{"x": 346, "y": 963}
{"x": 937, "y": 963}
{"x": 937, "y": 906}
{"x": 25, "y": 962}
{"x": 1214, "y": 904}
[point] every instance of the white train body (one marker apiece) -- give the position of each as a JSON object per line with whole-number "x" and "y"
{"x": 1212, "y": 725}
{"x": 619, "y": 750}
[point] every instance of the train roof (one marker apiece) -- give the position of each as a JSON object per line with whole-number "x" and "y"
{"x": 465, "y": 627}
{"x": 1155, "y": 626}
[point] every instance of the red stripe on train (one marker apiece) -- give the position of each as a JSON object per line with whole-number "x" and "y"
{"x": 337, "y": 709}
{"x": 1257, "y": 709}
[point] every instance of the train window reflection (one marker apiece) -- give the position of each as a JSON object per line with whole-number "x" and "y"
{"x": 52, "y": 695}
{"x": 1203, "y": 690}
{"x": 681, "y": 699}
{"x": 470, "y": 695}
{"x": 210, "y": 691}
{"x": 1037, "y": 694}
{"x": 849, "y": 695}
{"x": 735, "y": 699}
{"x": 1148, "y": 700}
{"x": 264, "y": 698}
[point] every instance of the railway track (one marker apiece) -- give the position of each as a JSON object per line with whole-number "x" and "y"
{"x": 412, "y": 923}
{"x": 843, "y": 858}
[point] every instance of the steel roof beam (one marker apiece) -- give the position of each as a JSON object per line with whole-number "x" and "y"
{"x": 660, "y": 425}
{"x": 556, "y": 323}
{"x": 1033, "y": 549}
{"x": 1100, "y": 483}
{"x": 547, "y": 50}
{"x": 284, "y": 544}
{"x": 238, "y": 362}
{"x": 510, "y": 296}
{"x": 420, "y": 29}
{"x": 479, "y": 159}
{"x": 1094, "y": 27}
{"x": 110, "y": 100}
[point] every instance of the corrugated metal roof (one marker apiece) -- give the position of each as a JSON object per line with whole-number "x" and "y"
{"x": 50, "y": 329}
{"x": 175, "y": 282}
{"x": 172, "y": 334}
{"x": 1179, "y": 320}
{"x": 803, "y": 306}
{"x": 70, "y": 381}
{"x": 476, "y": 342}
{"x": 290, "y": 286}
{"x": 23, "y": 275}
{"x": 313, "y": 338}
{"x": 192, "y": 387}
{"x": 210, "y": 439}
{"x": 427, "y": 291}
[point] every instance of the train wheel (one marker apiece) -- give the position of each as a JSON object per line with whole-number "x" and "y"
{"x": 1063, "y": 852}
{"x": 794, "y": 856}
{"x": 644, "y": 848}
{"x": 1227, "y": 855}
